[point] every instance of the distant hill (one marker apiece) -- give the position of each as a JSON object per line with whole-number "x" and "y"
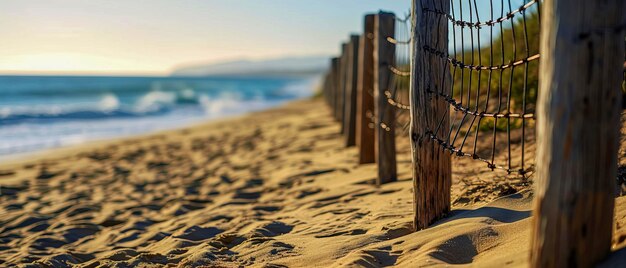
{"x": 289, "y": 66}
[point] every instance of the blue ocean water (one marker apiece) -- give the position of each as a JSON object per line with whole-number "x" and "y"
{"x": 41, "y": 112}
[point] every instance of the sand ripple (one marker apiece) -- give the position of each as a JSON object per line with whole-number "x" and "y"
{"x": 273, "y": 189}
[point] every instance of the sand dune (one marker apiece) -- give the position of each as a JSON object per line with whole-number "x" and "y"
{"x": 273, "y": 189}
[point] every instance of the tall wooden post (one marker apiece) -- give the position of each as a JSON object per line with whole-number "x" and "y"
{"x": 578, "y": 124}
{"x": 351, "y": 79}
{"x": 431, "y": 165}
{"x": 365, "y": 90}
{"x": 335, "y": 87}
{"x": 342, "y": 85}
{"x": 329, "y": 79}
{"x": 328, "y": 84}
{"x": 325, "y": 87}
{"x": 384, "y": 55}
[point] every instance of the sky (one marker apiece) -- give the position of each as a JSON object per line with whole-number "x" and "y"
{"x": 152, "y": 37}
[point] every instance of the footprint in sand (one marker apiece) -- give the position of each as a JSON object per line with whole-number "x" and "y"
{"x": 369, "y": 258}
{"x": 333, "y": 233}
{"x": 5, "y": 173}
{"x": 75, "y": 233}
{"x": 246, "y": 194}
{"x": 45, "y": 174}
{"x": 197, "y": 233}
{"x": 12, "y": 190}
{"x": 267, "y": 208}
{"x": 270, "y": 229}
{"x": 38, "y": 222}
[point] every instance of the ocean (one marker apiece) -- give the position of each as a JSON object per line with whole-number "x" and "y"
{"x": 43, "y": 112}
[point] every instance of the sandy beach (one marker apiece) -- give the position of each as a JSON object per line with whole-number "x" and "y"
{"x": 270, "y": 189}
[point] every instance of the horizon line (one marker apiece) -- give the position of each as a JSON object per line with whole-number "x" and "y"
{"x": 83, "y": 73}
{"x": 146, "y": 73}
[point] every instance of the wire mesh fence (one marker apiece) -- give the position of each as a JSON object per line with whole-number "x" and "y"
{"x": 493, "y": 68}
{"x": 490, "y": 72}
{"x": 460, "y": 77}
{"x": 490, "y": 76}
{"x": 397, "y": 90}
{"x": 397, "y": 93}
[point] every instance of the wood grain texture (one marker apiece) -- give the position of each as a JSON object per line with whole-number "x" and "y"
{"x": 351, "y": 94}
{"x": 365, "y": 97}
{"x": 341, "y": 107}
{"x": 384, "y": 55}
{"x": 577, "y": 131}
{"x": 431, "y": 165}
{"x": 335, "y": 87}
{"x": 326, "y": 87}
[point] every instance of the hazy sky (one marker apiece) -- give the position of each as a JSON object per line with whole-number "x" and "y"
{"x": 153, "y": 36}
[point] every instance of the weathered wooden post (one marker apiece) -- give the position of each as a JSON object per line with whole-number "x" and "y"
{"x": 342, "y": 86}
{"x": 578, "y": 124}
{"x": 384, "y": 55}
{"x": 325, "y": 88}
{"x": 335, "y": 87}
{"x": 351, "y": 83}
{"x": 431, "y": 165}
{"x": 329, "y": 84}
{"x": 331, "y": 93}
{"x": 365, "y": 90}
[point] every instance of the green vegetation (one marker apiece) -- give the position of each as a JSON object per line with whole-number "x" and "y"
{"x": 499, "y": 52}
{"x": 494, "y": 85}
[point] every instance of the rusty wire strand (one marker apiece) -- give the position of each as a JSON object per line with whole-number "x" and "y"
{"x": 467, "y": 111}
{"x": 478, "y": 24}
{"x": 460, "y": 64}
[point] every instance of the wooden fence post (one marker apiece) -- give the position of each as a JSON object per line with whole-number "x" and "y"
{"x": 578, "y": 125}
{"x": 384, "y": 55}
{"x": 431, "y": 165}
{"x": 342, "y": 86}
{"x": 335, "y": 87}
{"x": 325, "y": 88}
{"x": 329, "y": 85}
{"x": 351, "y": 79}
{"x": 365, "y": 90}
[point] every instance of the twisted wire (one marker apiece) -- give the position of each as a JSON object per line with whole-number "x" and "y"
{"x": 398, "y": 81}
{"x": 460, "y": 64}
{"x": 472, "y": 82}
{"x": 478, "y": 24}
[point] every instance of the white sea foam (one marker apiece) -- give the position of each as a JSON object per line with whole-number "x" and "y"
{"x": 188, "y": 94}
{"x": 304, "y": 88}
{"x": 155, "y": 100}
{"x": 109, "y": 102}
{"x": 46, "y": 123}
